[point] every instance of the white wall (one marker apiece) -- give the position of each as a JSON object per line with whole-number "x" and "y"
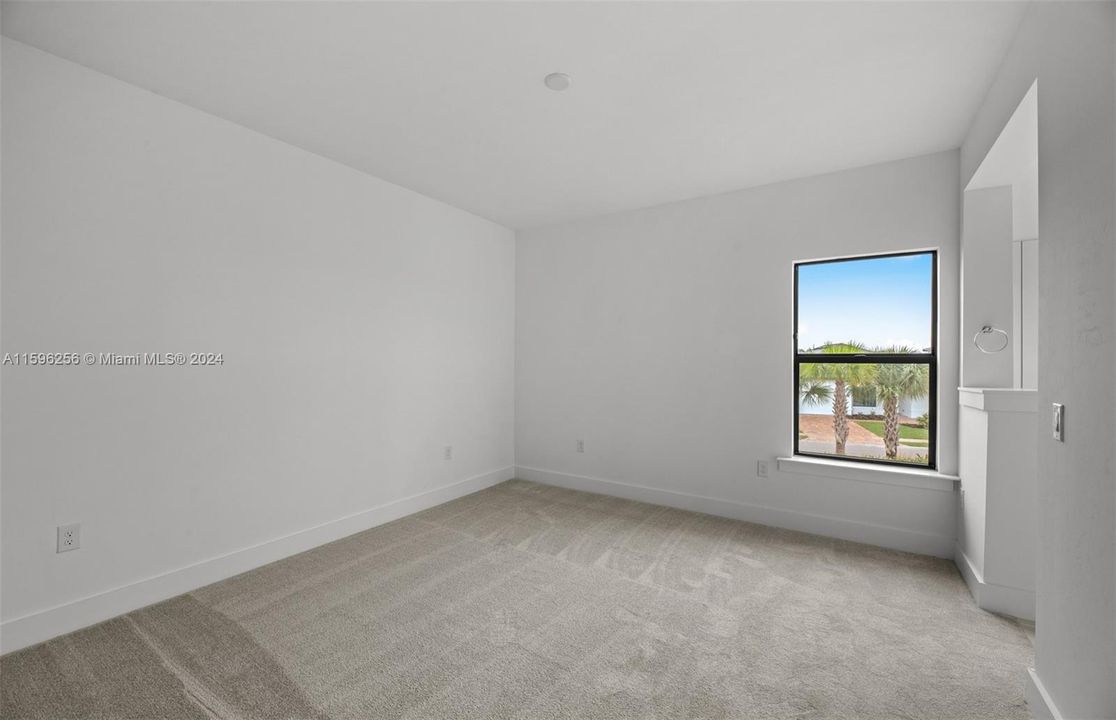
{"x": 1010, "y": 500}
{"x": 1069, "y": 48}
{"x": 363, "y": 328}
{"x": 1010, "y": 166}
{"x": 973, "y": 469}
{"x": 662, "y": 338}
{"x": 1025, "y": 302}
{"x": 996, "y": 532}
{"x": 986, "y": 285}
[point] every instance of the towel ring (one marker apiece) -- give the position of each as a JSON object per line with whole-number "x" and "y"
{"x": 989, "y": 330}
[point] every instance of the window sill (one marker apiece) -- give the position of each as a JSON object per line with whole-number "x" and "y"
{"x": 869, "y": 472}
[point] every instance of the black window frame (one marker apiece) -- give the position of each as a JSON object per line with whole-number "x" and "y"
{"x": 930, "y": 359}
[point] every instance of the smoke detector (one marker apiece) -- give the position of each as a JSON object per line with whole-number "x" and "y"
{"x": 557, "y": 81}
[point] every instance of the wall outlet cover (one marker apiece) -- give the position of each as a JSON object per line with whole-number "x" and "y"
{"x": 69, "y": 537}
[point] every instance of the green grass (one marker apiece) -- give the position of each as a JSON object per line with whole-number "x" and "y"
{"x": 906, "y": 432}
{"x": 916, "y": 460}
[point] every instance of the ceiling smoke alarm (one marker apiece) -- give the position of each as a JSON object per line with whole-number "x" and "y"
{"x": 557, "y": 81}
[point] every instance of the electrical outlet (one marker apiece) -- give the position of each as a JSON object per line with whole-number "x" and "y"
{"x": 448, "y": 452}
{"x": 581, "y": 446}
{"x": 761, "y": 469}
{"x": 69, "y": 537}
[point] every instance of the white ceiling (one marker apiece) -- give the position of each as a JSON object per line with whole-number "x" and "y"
{"x": 669, "y": 100}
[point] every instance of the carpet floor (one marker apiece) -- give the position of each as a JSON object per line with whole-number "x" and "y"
{"x": 529, "y": 601}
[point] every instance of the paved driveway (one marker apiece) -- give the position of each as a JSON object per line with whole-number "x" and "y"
{"x": 820, "y": 427}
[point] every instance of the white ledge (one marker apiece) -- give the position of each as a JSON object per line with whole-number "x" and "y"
{"x": 869, "y": 472}
{"x": 999, "y": 399}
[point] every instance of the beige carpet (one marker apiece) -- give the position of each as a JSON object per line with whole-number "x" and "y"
{"x": 527, "y": 601}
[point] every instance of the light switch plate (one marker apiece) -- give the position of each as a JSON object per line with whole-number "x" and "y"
{"x": 1059, "y": 420}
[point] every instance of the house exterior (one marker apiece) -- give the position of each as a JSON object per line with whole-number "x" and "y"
{"x": 865, "y": 401}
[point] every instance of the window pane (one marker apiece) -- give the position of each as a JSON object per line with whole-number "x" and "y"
{"x": 894, "y": 427}
{"x": 876, "y": 304}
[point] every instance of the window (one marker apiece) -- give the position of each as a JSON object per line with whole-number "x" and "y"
{"x": 863, "y": 396}
{"x": 866, "y": 358}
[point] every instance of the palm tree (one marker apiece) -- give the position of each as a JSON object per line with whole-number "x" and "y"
{"x": 843, "y": 375}
{"x": 895, "y": 381}
{"x": 814, "y": 392}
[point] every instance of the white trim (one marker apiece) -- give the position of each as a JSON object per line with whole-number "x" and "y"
{"x": 1039, "y": 702}
{"x": 868, "y": 533}
{"x": 1021, "y": 400}
{"x": 969, "y": 572}
{"x": 42, "y": 625}
{"x": 869, "y": 472}
{"x": 1005, "y": 600}
{"x": 1002, "y": 599}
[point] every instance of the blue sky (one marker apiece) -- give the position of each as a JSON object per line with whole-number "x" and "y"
{"x": 876, "y": 301}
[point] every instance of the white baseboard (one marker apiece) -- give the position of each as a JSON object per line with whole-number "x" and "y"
{"x": 868, "y": 533}
{"x": 43, "y": 625}
{"x": 1039, "y": 702}
{"x": 1001, "y": 599}
{"x": 969, "y": 572}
